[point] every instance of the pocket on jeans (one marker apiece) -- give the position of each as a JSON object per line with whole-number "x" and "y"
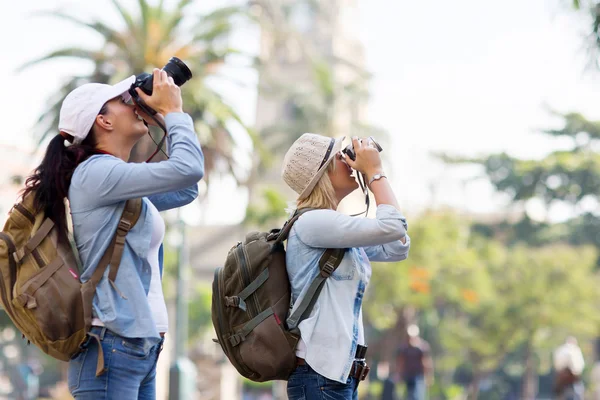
{"x": 74, "y": 371}
{"x": 136, "y": 348}
{"x": 296, "y": 393}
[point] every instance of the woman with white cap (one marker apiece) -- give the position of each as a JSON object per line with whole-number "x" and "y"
{"x": 129, "y": 313}
{"x": 316, "y": 169}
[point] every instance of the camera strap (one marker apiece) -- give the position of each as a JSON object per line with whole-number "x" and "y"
{"x": 152, "y": 113}
{"x": 362, "y": 181}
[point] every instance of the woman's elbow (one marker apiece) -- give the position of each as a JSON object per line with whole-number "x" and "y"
{"x": 197, "y": 169}
{"x": 198, "y": 173}
{"x": 401, "y": 256}
{"x": 191, "y": 194}
{"x": 401, "y": 253}
{"x": 394, "y": 230}
{"x": 191, "y": 173}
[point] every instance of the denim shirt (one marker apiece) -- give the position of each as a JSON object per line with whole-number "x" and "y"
{"x": 99, "y": 189}
{"x": 334, "y": 328}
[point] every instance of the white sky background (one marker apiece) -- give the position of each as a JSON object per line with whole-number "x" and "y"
{"x": 465, "y": 76}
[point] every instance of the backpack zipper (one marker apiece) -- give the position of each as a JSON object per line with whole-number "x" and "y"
{"x": 252, "y": 308}
{"x": 253, "y": 296}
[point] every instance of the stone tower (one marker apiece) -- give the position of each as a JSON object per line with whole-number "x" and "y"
{"x": 326, "y": 33}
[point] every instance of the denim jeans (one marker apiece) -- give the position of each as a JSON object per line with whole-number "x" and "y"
{"x": 415, "y": 388}
{"x": 306, "y": 384}
{"x": 130, "y": 368}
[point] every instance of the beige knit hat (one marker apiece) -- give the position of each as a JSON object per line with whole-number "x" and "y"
{"x": 307, "y": 160}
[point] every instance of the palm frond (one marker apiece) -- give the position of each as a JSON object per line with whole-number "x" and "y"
{"x": 71, "y": 52}
{"x": 225, "y": 13}
{"x": 109, "y": 34}
{"x": 145, "y": 11}
{"x": 126, "y": 16}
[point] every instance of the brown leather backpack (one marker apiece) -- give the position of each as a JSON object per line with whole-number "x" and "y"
{"x": 251, "y": 300}
{"x": 40, "y": 288}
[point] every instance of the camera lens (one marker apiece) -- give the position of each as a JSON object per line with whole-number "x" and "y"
{"x": 177, "y": 69}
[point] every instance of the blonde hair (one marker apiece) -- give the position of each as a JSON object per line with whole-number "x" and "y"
{"x": 323, "y": 194}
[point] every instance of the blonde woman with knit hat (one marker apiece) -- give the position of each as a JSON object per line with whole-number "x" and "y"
{"x": 316, "y": 169}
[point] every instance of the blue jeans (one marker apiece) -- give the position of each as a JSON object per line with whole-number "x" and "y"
{"x": 130, "y": 368}
{"x": 415, "y": 388}
{"x": 306, "y": 384}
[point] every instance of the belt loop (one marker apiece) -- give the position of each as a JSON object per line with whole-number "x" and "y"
{"x": 102, "y": 333}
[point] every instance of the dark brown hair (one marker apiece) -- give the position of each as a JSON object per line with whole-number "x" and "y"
{"x": 51, "y": 180}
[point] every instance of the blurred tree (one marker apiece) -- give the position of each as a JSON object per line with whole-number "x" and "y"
{"x": 568, "y": 176}
{"x": 591, "y": 9}
{"x": 478, "y": 301}
{"x": 535, "y": 297}
{"x": 441, "y": 269}
{"x": 146, "y": 39}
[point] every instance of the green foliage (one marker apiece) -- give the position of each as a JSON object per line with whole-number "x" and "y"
{"x": 199, "y": 311}
{"x": 537, "y": 296}
{"x": 440, "y": 264}
{"x": 272, "y": 209}
{"x": 479, "y": 300}
{"x": 563, "y": 175}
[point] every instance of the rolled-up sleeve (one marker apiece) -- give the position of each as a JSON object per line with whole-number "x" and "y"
{"x": 332, "y": 229}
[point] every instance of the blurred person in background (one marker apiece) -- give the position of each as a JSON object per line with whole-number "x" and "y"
{"x": 568, "y": 366}
{"x": 414, "y": 365}
{"x": 316, "y": 168}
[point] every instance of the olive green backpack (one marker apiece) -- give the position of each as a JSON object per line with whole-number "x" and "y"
{"x": 40, "y": 288}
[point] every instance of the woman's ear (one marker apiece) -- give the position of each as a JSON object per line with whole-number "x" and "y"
{"x": 104, "y": 122}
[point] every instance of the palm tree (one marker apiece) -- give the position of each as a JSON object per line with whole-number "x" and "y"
{"x": 149, "y": 38}
{"x": 592, "y": 9}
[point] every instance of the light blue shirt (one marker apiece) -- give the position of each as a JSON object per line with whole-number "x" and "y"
{"x": 99, "y": 189}
{"x": 334, "y": 328}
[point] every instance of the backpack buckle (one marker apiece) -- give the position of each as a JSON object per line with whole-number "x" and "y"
{"x": 124, "y": 227}
{"x": 327, "y": 269}
{"x": 235, "y": 301}
{"x": 18, "y": 255}
{"x": 236, "y": 339}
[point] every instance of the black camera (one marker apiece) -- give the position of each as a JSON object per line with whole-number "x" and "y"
{"x": 175, "y": 68}
{"x": 349, "y": 150}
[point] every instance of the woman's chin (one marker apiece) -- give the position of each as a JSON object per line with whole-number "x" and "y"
{"x": 143, "y": 129}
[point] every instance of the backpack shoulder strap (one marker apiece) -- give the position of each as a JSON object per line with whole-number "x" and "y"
{"x": 287, "y": 227}
{"x": 114, "y": 252}
{"x": 328, "y": 263}
{"x": 130, "y": 216}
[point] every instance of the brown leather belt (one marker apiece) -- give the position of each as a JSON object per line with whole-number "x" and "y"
{"x": 358, "y": 371}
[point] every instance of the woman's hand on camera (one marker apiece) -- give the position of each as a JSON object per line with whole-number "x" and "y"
{"x": 166, "y": 95}
{"x": 368, "y": 159}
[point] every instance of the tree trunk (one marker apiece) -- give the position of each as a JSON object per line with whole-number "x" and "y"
{"x": 529, "y": 384}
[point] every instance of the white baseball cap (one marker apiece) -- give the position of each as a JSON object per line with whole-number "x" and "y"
{"x": 81, "y": 106}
